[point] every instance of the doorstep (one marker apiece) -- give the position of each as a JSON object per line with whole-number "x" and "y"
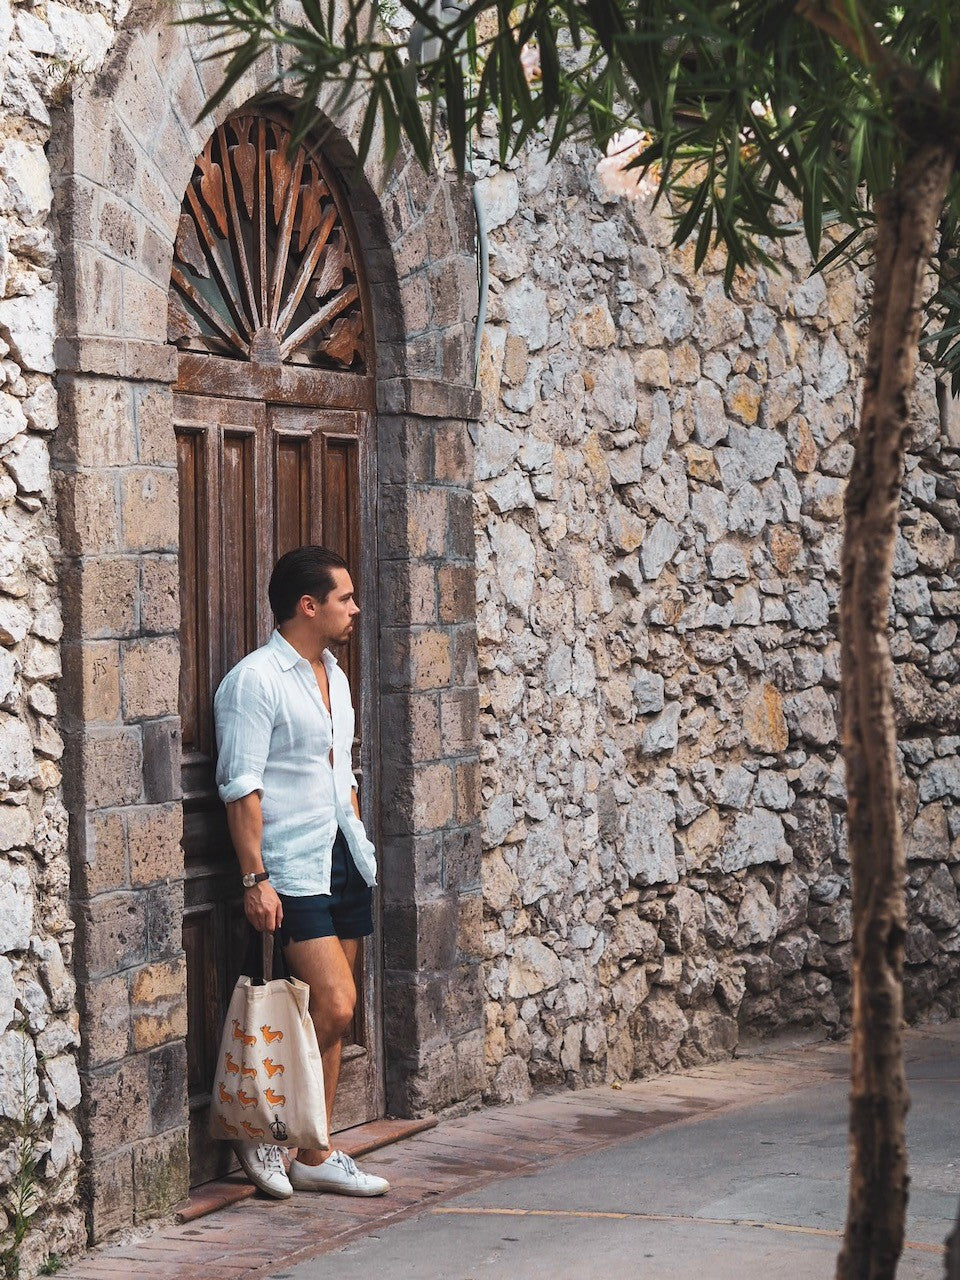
{"x": 356, "y": 1142}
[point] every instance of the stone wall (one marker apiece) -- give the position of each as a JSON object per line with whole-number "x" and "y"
{"x": 41, "y": 48}
{"x": 658, "y": 498}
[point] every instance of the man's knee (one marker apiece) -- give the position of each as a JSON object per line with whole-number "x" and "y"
{"x": 335, "y": 1013}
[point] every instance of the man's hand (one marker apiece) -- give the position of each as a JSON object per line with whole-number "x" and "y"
{"x": 263, "y": 907}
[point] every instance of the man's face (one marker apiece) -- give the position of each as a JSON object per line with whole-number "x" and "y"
{"x": 334, "y": 617}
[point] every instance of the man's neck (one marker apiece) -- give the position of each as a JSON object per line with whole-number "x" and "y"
{"x": 307, "y": 645}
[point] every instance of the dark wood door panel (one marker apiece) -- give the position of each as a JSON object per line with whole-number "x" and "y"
{"x": 255, "y": 480}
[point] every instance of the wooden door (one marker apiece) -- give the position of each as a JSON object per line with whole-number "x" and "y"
{"x": 255, "y": 480}
{"x": 273, "y": 410}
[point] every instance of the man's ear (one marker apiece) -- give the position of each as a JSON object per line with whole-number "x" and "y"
{"x": 308, "y": 606}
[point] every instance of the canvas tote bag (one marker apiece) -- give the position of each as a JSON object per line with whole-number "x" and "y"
{"x": 269, "y": 1080}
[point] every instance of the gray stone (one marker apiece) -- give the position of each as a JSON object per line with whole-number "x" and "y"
{"x": 648, "y": 846}
{"x": 496, "y": 450}
{"x": 8, "y": 994}
{"x": 659, "y": 546}
{"x": 516, "y": 562}
{"x": 65, "y": 1145}
{"x": 710, "y": 423}
{"x": 662, "y": 734}
{"x": 542, "y": 863}
{"x": 756, "y": 838}
{"x": 65, "y": 1079}
{"x": 757, "y": 917}
{"x": 648, "y": 692}
{"x": 19, "y": 1090}
{"x": 726, "y": 561}
{"x": 499, "y": 817}
{"x": 674, "y": 312}
{"x": 16, "y": 918}
{"x": 811, "y": 716}
{"x": 533, "y": 968}
{"x": 525, "y": 309}
{"x": 499, "y": 197}
{"x": 809, "y": 607}
{"x": 762, "y": 450}
{"x": 936, "y": 900}
{"x": 940, "y": 779}
{"x": 734, "y": 787}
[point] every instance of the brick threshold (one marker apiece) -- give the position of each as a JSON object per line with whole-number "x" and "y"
{"x": 356, "y": 1142}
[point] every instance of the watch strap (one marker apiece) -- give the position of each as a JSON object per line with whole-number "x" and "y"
{"x": 249, "y": 880}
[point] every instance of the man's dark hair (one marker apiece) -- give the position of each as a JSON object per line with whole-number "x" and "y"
{"x": 305, "y": 571}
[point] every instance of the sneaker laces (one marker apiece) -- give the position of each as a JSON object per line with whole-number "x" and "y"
{"x": 271, "y": 1159}
{"x": 347, "y": 1163}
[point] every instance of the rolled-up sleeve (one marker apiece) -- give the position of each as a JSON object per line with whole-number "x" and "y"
{"x": 244, "y": 715}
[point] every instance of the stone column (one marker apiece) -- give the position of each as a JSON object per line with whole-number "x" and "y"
{"x": 430, "y": 840}
{"x": 117, "y": 490}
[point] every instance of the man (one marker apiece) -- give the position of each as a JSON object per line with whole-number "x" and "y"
{"x": 285, "y": 732}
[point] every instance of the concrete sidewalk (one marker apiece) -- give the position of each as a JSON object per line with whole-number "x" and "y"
{"x": 735, "y": 1171}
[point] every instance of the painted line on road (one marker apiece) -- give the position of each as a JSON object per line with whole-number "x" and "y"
{"x": 664, "y": 1217}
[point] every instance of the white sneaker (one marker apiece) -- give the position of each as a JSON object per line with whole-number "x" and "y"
{"x": 263, "y": 1165}
{"x": 337, "y": 1173}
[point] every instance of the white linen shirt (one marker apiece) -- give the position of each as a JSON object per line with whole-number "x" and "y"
{"x": 274, "y": 735}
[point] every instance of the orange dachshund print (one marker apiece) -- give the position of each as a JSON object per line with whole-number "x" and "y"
{"x": 232, "y": 1129}
{"x": 248, "y": 1071}
{"x": 273, "y": 1068}
{"x": 270, "y": 1035}
{"x": 238, "y": 1034}
{"x": 224, "y": 1096}
{"x": 275, "y": 1099}
{"x": 252, "y": 1129}
{"x": 232, "y": 1067}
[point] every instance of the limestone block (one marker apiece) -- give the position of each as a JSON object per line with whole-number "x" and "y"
{"x": 533, "y": 968}
{"x": 65, "y": 1080}
{"x": 664, "y": 1028}
{"x": 757, "y": 917}
{"x": 811, "y": 716}
{"x": 18, "y": 1070}
{"x": 150, "y": 677}
{"x": 26, "y": 171}
{"x": 7, "y": 994}
{"x": 516, "y": 562}
{"x": 936, "y": 900}
{"x": 756, "y": 838}
{"x": 648, "y": 847}
{"x": 662, "y": 734}
{"x": 149, "y": 508}
{"x": 65, "y": 1145}
{"x": 499, "y": 197}
{"x": 542, "y": 864}
{"x": 27, "y": 325}
{"x": 659, "y": 547}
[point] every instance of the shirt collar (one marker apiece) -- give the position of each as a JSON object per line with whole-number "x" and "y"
{"x": 287, "y": 656}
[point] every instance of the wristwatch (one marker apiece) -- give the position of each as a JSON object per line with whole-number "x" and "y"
{"x": 254, "y": 877}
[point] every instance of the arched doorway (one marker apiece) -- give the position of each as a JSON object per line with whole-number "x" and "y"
{"x": 273, "y": 414}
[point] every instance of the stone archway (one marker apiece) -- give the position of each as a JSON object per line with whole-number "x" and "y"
{"x": 126, "y": 149}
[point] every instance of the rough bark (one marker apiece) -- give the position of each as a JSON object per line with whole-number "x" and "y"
{"x": 906, "y": 224}
{"x": 951, "y": 1257}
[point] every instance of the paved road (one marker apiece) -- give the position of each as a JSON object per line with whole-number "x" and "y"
{"x": 756, "y": 1192}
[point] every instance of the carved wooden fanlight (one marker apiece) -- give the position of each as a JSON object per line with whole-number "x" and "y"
{"x": 263, "y": 269}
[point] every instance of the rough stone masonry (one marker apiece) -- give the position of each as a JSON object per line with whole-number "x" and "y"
{"x": 658, "y": 495}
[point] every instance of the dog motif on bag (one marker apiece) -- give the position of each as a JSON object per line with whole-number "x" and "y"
{"x": 244, "y": 1070}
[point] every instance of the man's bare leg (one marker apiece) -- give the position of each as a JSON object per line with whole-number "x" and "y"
{"x": 326, "y": 965}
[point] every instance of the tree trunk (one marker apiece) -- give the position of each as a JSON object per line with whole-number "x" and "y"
{"x": 906, "y": 222}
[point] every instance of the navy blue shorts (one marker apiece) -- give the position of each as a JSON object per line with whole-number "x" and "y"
{"x": 344, "y": 912}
